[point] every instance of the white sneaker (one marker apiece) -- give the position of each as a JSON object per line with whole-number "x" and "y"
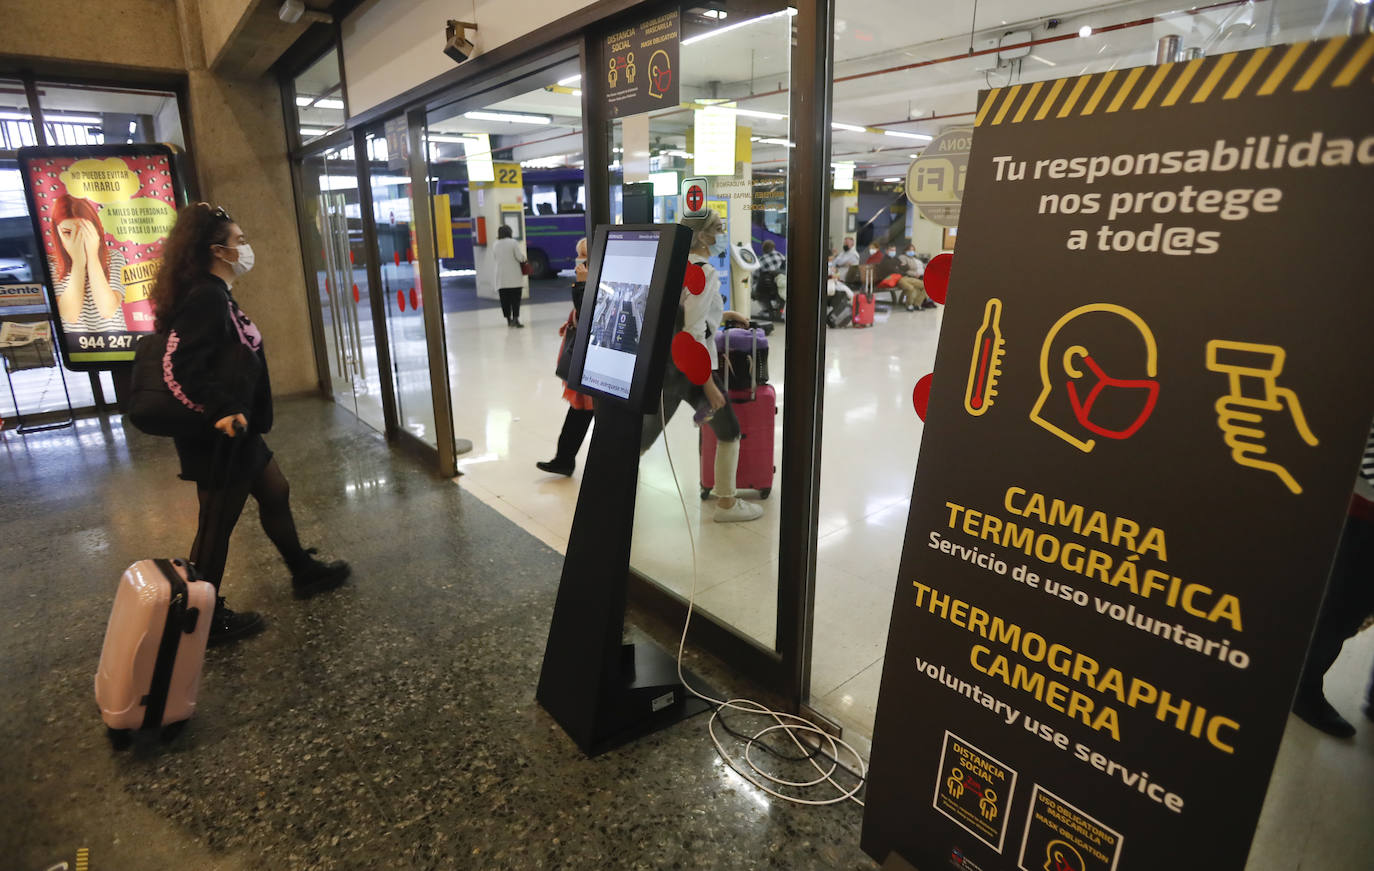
{"x": 740, "y": 512}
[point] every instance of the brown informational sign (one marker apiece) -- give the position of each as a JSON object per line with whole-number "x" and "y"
{"x": 1151, "y": 394}
{"x": 641, "y": 65}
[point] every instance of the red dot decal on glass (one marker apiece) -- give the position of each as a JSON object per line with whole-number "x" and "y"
{"x": 694, "y": 279}
{"x": 356, "y": 296}
{"x": 398, "y": 258}
{"x": 692, "y": 358}
{"x": 414, "y": 299}
{"x": 410, "y": 256}
{"x": 920, "y": 397}
{"x": 350, "y": 255}
{"x": 401, "y": 300}
{"x": 937, "y": 277}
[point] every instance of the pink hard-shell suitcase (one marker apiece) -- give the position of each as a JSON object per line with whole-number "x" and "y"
{"x": 154, "y": 648}
{"x": 756, "y": 408}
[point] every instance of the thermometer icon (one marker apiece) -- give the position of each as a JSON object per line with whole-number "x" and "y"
{"x": 986, "y": 366}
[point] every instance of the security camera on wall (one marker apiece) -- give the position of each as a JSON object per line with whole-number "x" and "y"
{"x": 456, "y": 43}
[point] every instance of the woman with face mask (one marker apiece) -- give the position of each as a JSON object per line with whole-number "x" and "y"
{"x": 702, "y": 315}
{"x": 205, "y": 255}
{"x": 580, "y": 410}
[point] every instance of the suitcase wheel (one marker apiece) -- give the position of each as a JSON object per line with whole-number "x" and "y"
{"x": 120, "y": 739}
{"x": 171, "y": 731}
{"x": 705, "y": 493}
{"x": 763, "y": 494}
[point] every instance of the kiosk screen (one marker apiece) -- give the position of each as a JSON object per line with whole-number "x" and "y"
{"x": 622, "y": 294}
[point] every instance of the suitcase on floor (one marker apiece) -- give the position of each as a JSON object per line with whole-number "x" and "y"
{"x": 756, "y": 408}
{"x": 154, "y": 647}
{"x": 150, "y": 662}
{"x": 756, "y": 411}
{"x": 747, "y": 352}
{"x": 863, "y": 310}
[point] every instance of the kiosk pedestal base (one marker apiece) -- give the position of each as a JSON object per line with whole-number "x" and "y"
{"x": 604, "y": 692}
{"x": 650, "y": 697}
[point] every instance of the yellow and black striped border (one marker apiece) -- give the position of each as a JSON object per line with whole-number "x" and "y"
{"x": 1261, "y": 72}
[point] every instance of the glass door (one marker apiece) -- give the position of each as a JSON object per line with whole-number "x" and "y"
{"x": 730, "y": 125}
{"x": 393, "y": 206}
{"x": 339, "y": 269}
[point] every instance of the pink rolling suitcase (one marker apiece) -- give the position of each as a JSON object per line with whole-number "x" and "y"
{"x": 756, "y": 407}
{"x": 154, "y": 648}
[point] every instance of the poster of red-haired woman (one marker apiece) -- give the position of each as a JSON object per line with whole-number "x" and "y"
{"x": 102, "y": 214}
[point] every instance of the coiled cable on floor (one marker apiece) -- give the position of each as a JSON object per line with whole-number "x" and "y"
{"x": 790, "y": 725}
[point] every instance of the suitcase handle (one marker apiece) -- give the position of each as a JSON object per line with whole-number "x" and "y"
{"x": 156, "y": 699}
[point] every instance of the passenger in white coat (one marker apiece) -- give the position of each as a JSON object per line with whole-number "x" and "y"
{"x": 507, "y": 257}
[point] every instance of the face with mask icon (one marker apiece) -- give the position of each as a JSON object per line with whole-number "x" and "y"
{"x": 1097, "y": 369}
{"x": 235, "y": 251}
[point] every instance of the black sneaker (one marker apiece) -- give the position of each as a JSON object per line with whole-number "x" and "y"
{"x": 1319, "y": 714}
{"x": 515, "y": 322}
{"x": 553, "y": 467}
{"x": 227, "y": 625}
{"x": 318, "y": 577}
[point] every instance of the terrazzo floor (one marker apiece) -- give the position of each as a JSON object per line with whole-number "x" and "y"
{"x": 391, "y": 724}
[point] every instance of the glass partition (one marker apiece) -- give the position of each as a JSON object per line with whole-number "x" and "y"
{"x": 900, "y": 81}
{"x": 92, "y": 115}
{"x": 509, "y": 165}
{"x": 320, "y": 108}
{"x": 336, "y": 255}
{"x": 730, "y": 126}
{"x": 393, "y": 203}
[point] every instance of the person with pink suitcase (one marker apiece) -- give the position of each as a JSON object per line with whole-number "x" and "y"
{"x": 205, "y": 253}
{"x": 702, "y": 315}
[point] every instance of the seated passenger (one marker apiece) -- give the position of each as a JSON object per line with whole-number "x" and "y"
{"x": 772, "y": 265}
{"x": 911, "y": 283}
{"x": 847, "y": 262}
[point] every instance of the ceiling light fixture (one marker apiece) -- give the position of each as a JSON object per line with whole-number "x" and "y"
{"x": 773, "y": 141}
{"x": 836, "y": 125}
{"x": 304, "y": 101}
{"x": 570, "y": 79}
{"x": 892, "y": 178}
{"x": 508, "y": 117}
{"x": 313, "y": 131}
{"x": 1085, "y": 31}
{"x": 789, "y": 11}
{"x": 920, "y": 136}
{"x": 748, "y": 113}
{"x": 329, "y": 103}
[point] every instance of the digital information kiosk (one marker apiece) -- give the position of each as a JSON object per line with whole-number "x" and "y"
{"x": 602, "y": 691}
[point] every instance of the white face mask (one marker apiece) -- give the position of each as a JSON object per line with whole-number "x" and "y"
{"x": 245, "y": 261}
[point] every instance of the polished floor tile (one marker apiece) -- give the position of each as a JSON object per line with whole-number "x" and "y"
{"x": 388, "y": 725}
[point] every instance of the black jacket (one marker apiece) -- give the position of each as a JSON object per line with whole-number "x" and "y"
{"x": 214, "y": 361}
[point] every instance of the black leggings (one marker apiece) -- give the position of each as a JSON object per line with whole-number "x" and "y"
{"x": 575, "y": 426}
{"x": 510, "y": 301}
{"x": 676, "y": 390}
{"x": 1349, "y": 600}
{"x": 273, "y": 493}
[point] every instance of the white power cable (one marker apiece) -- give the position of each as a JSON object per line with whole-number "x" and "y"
{"x": 789, "y": 724}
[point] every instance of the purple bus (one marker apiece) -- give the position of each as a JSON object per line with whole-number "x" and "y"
{"x": 555, "y": 218}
